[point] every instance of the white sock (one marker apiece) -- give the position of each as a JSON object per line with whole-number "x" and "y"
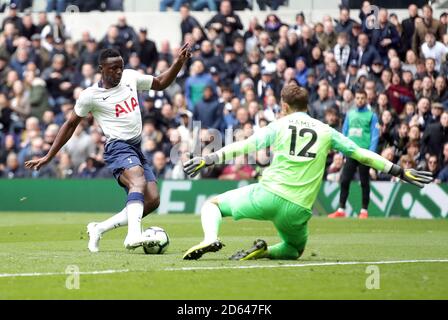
{"x": 135, "y": 213}
{"x": 341, "y": 210}
{"x": 363, "y": 211}
{"x": 116, "y": 221}
{"x": 211, "y": 220}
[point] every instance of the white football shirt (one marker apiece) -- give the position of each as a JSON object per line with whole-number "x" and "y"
{"x": 116, "y": 110}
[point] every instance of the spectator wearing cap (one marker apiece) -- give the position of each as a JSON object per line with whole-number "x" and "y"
{"x": 196, "y": 83}
{"x": 209, "y": 111}
{"x": 436, "y": 112}
{"x": 408, "y": 26}
{"x": 426, "y": 25}
{"x": 434, "y": 49}
{"x": 350, "y": 76}
{"x": 188, "y": 22}
{"x": 376, "y": 70}
{"x": 385, "y": 36}
{"x": 365, "y": 54}
{"x": 12, "y": 17}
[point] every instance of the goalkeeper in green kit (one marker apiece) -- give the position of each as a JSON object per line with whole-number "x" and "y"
{"x": 289, "y": 186}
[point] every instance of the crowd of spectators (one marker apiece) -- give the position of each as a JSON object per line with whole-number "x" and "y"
{"x": 60, "y": 6}
{"x": 213, "y": 5}
{"x": 233, "y": 81}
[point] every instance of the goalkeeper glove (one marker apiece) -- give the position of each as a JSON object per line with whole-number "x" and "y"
{"x": 193, "y": 166}
{"x": 418, "y": 178}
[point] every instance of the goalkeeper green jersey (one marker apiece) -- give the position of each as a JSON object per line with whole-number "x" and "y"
{"x": 300, "y": 145}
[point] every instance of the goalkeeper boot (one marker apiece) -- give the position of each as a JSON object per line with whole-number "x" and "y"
{"x": 194, "y": 253}
{"x": 134, "y": 241}
{"x": 94, "y": 237}
{"x": 257, "y": 251}
{"x": 337, "y": 214}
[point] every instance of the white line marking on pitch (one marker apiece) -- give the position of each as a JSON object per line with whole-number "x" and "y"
{"x": 320, "y": 264}
{"x": 11, "y": 275}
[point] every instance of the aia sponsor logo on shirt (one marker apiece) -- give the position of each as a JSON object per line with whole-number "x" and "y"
{"x": 126, "y": 107}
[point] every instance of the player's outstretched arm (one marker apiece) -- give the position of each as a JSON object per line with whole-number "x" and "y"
{"x": 263, "y": 138}
{"x": 374, "y": 160}
{"x": 64, "y": 134}
{"x": 165, "y": 79}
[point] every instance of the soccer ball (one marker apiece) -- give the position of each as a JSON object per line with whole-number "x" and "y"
{"x": 159, "y": 234}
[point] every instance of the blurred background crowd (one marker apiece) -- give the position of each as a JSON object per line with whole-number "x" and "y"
{"x": 233, "y": 81}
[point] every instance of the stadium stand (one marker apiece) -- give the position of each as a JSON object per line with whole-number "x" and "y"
{"x": 47, "y": 59}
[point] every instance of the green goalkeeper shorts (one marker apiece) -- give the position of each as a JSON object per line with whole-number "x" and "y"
{"x": 255, "y": 202}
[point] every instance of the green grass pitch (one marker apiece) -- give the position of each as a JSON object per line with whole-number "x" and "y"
{"x": 39, "y": 244}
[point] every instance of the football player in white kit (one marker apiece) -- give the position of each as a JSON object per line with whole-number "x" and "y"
{"x": 113, "y": 102}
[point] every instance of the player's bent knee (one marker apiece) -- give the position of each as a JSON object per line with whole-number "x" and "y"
{"x": 137, "y": 183}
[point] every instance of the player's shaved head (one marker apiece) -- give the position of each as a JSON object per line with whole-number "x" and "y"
{"x": 111, "y": 67}
{"x": 295, "y": 97}
{"x": 108, "y": 53}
